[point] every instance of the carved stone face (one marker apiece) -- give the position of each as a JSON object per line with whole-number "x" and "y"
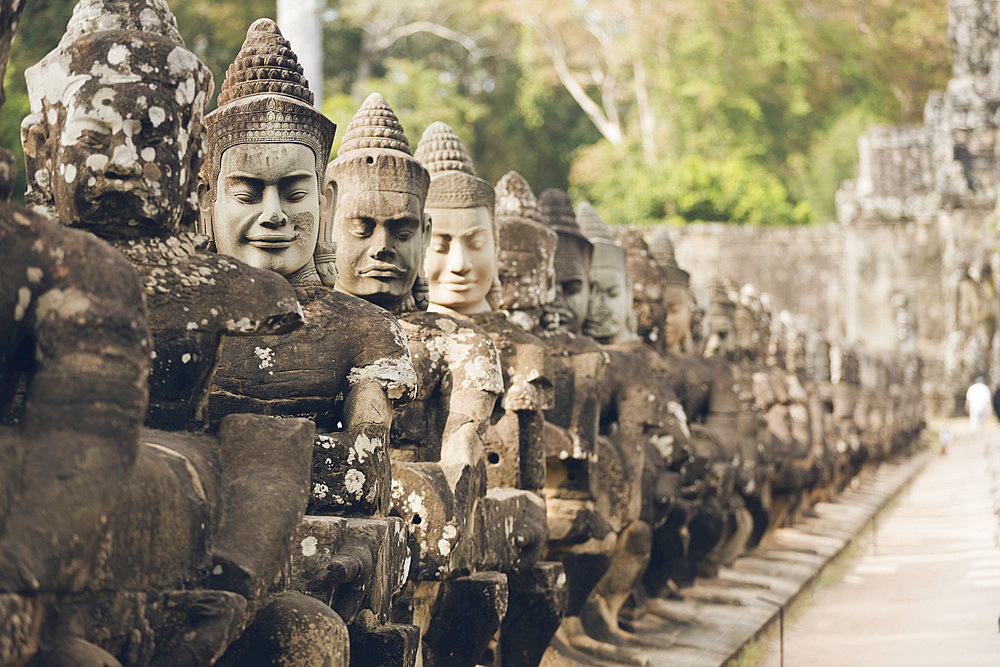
{"x": 266, "y": 212}
{"x": 678, "y": 322}
{"x": 745, "y": 329}
{"x": 721, "y": 336}
{"x": 610, "y": 303}
{"x": 121, "y": 157}
{"x": 461, "y": 260}
{"x": 526, "y": 270}
{"x": 572, "y": 282}
{"x": 381, "y": 238}
{"x": 115, "y": 143}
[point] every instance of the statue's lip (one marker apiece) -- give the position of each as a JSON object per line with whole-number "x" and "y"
{"x": 382, "y": 270}
{"x": 271, "y": 241}
{"x": 457, "y": 285}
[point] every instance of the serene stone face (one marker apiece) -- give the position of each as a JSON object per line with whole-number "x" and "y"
{"x": 610, "y": 303}
{"x": 572, "y": 282}
{"x": 461, "y": 260}
{"x": 267, "y": 210}
{"x": 380, "y": 239}
{"x": 678, "y": 316}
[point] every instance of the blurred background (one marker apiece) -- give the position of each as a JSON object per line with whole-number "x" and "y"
{"x": 661, "y": 110}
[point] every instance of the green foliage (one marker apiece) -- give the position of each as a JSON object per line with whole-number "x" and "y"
{"x": 753, "y": 113}
{"x": 690, "y": 189}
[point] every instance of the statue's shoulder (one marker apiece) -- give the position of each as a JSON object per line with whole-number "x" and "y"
{"x": 467, "y": 350}
{"x": 45, "y": 257}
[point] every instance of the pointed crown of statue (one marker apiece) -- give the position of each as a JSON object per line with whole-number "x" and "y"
{"x": 661, "y": 248}
{"x": 515, "y": 200}
{"x": 607, "y": 252}
{"x": 375, "y": 154}
{"x": 557, "y": 213}
{"x": 518, "y": 218}
{"x": 454, "y": 183}
{"x": 721, "y": 305}
{"x": 265, "y": 99}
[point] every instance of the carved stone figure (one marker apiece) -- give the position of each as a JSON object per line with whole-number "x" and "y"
{"x": 629, "y": 418}
{"x": 113, "y": 146}
{"x": 719, "y": 525}
{"x": 439, "y": 482}
{"x": 345, "y": 369}
{"x": 461, "y": 265}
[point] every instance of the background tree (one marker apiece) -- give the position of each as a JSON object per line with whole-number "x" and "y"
{"x": 654, "y": 110}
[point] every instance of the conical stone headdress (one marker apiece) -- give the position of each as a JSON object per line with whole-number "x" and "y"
{"x": 376, "y": 155}
{"x": 526, "y": 284}
{"x": 514, "y": 199}
{"x": 454, "y": 183}
{"x": 265, "y": 99}
{"x": 607, "y": 253}
{"x": 557, "y": 213}
{"x": 661, "y": 248}
{"x": 721, "y": 305}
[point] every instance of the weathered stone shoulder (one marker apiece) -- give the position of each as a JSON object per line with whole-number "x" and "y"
{"x": 458, "y": 352}
{"x": 187, "y": 287}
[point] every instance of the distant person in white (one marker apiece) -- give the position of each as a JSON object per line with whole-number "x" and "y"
{"x": 978, "y": 402}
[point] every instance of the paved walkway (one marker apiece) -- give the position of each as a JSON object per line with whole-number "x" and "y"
{"x": 926, "y": 588}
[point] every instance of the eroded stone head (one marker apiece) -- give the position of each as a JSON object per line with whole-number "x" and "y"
{"x": 721, "y": 328}
{"x": 461, "y": 261}
{"x": 114, "y": 140}
{"x": 648, "y": 285}
{"x": 609, "y": 316}
{"x": 573, "y": 257}
{"x": 527, "y": 248}
{"x": 378, "y": 223}
{"x": 266, "y": 158}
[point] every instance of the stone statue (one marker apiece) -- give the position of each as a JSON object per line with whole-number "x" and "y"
{"x": 113, "y": 146}
{"x": 439, "y": 481}
{"x": 461, "y": 266}
{"x": 345, "y": 369}
{"x": 632, "y": 421}
{"x": 719, "y": 525}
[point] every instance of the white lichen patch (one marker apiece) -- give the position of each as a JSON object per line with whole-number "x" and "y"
{"x": 23, "y": 301}
{"x": 309, "y": 546}
{"x": 34, "y": 274}
{"x": 96, "y": 162}
{"x": 185, "y": 358}
{"x": 157, "y": 115}
{"x": 242, "y": 325}
{"x": 117, "y": 54}
{"x": 354, "y": 482}
{"x": 70, "y": 173}
{"x": 266, "y": 356}
{"x": 395, "y": 375}
{"x": 320, "y": 490}
{"x": 62, "y": 304}
{"x": 148, "y": 154}
{"x": 363, "y": 448}
{"x": 677, "y": 410}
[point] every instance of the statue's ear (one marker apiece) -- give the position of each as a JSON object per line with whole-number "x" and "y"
{"x": 38, "y": 160}
{"x": 427, "y": 230}
{"x": 327, "y": 206}
{"x": 206, "y": 207}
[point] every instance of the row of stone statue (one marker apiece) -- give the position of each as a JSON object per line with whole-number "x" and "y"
{"x": 375, "y": 411}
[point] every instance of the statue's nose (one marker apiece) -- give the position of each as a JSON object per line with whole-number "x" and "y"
{"x": 124, "y": 161}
